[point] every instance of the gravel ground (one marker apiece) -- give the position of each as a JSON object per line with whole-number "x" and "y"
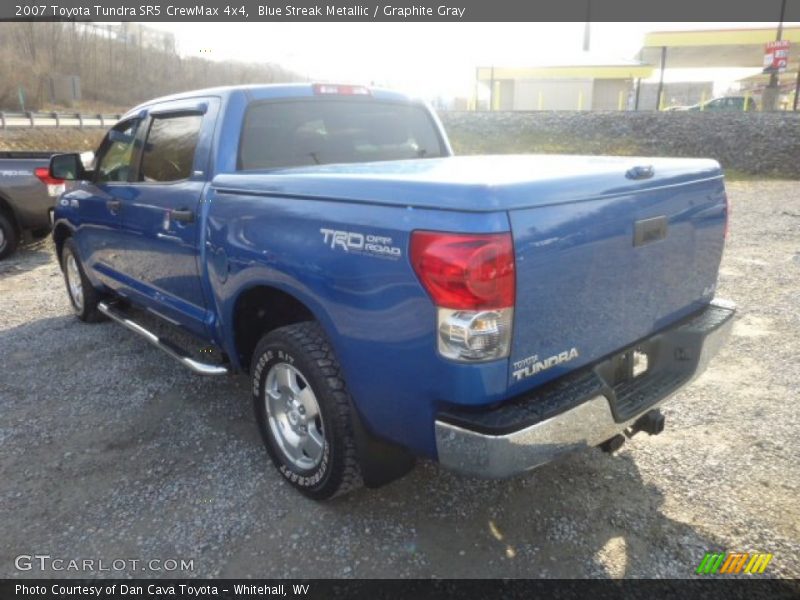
{"x": 110, "y": 450}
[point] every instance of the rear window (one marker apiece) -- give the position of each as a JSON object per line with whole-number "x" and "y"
{"x": 323, "y": 131}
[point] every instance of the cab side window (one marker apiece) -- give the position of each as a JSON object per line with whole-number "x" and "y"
{"x": 169, "y": 149}
{"x": 115, "y": 157}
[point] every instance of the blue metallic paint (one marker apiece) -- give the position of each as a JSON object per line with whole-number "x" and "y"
{"x": 379, "y": 319}
{"x": 581, "y": 283}
{"x": 579, "y": 279}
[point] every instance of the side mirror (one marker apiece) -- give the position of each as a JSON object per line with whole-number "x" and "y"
{"x": 67, "y": 166}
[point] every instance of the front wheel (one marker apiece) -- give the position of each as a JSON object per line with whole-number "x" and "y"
{"x": 82, "y": 294}
{"x": 304, "y": 412}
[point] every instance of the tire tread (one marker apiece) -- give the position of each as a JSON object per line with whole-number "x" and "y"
{"x": 90, "y": 314}
{"x": 310, "y": 339}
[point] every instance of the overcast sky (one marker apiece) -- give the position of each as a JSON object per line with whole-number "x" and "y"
{"x": 425, "y": 58}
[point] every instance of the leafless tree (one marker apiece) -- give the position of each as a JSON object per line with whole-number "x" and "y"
{"x": 117, "y": 68}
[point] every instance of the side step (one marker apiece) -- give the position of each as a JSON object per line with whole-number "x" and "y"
{"x": 165, "y": 345}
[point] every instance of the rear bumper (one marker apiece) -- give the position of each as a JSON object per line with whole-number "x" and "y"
{"x": 584, "y": 408}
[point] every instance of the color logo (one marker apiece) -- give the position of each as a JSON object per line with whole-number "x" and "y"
{"x": 733, "y": 562}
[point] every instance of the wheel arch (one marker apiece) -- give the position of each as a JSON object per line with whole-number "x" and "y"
{"x": 61, "y": 232}
{"x": 261, "y": 308}
{"x": 380, "y": 460}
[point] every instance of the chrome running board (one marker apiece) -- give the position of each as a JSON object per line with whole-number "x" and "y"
{"x": 165, "y": 345}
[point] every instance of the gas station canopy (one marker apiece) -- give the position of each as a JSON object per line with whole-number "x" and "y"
{"x": 719, "y": 48}
{"x": 630, "y": 70}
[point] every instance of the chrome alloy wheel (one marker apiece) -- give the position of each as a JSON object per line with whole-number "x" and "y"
{"x": 294, "y": 416}
{"x": 74, "y": 282}
{"x": 2, "y": 239}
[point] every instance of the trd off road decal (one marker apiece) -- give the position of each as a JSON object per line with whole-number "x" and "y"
{"x": 354, "y": 242}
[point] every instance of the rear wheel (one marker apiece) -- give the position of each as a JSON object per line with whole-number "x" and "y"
{"x": 82, "y": 294}
{"x": 8, "y": 237}
{"x": 304, "y": 412}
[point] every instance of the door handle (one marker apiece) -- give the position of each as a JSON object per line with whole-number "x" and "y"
{"x": 184, "y": 215}
{"x": 113, "y": 206}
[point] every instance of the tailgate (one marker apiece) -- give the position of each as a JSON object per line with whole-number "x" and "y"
{"x": 597, "y": 275}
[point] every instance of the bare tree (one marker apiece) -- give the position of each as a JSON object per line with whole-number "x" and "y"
{"x": 117, "y": 65}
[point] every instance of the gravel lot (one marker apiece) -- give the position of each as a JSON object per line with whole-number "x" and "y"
{"x": 110, "y": 450}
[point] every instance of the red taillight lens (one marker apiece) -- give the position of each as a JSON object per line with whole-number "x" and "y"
{"x": 43, "y": 173}
{"x": 466, "y": 272}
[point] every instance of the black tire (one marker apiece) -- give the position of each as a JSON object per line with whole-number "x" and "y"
{"x": 305, "y": 349}
{"x": 86, "y": 308}
{"x": 9, "y": 238}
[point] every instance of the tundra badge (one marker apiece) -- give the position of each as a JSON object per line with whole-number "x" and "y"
{"x": 530, "y": 366}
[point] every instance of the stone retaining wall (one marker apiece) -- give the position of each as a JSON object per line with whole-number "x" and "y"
{"x": 754, "y": 143}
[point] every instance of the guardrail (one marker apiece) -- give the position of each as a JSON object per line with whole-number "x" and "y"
{"x": 15, "y": 120}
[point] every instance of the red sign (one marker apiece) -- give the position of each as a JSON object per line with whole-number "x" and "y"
{"x": 776, "y": 56}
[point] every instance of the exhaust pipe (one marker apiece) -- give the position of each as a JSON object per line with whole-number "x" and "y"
{"x": 613, "y": 444}
{"x": 651, "y": 422}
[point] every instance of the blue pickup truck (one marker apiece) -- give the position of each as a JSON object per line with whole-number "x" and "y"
{"x": 387, "y": 299}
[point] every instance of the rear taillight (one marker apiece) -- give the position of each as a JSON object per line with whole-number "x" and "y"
{"x": 43, "y": 173}
{"x": 55, "y": 187}
{"x": 465, "y": 271}
{"x": 470, "y": 278}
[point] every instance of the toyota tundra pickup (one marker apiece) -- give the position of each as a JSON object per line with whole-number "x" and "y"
{"x": 388, "y": 299}
{"x": 27, "y": 197}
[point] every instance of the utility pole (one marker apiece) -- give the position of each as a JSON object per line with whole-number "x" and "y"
{"x": 661, "y": 77}
{"x": 491, "y": 91}
{"x": 477, "y": 87}
{"x": 587, "y": 26}
{"x": 769, "y": 100}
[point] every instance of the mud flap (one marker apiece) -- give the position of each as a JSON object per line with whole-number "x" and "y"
{"x": 381, "y": 462}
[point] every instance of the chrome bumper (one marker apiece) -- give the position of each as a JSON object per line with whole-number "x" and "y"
{"x": 586, "y": 425}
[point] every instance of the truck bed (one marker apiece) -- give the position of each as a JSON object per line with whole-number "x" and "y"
{"x": 472, "y": 183}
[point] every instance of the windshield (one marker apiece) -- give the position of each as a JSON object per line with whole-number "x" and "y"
{"x": 323, "y": 131}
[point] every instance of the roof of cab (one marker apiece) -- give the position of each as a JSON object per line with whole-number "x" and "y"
{"x": 268, "y": 91}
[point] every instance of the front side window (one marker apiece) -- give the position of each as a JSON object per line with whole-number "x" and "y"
{"x": 324, "y": 131}
{"x": 168, "y": 153}
{"x": 115, "y": 157}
